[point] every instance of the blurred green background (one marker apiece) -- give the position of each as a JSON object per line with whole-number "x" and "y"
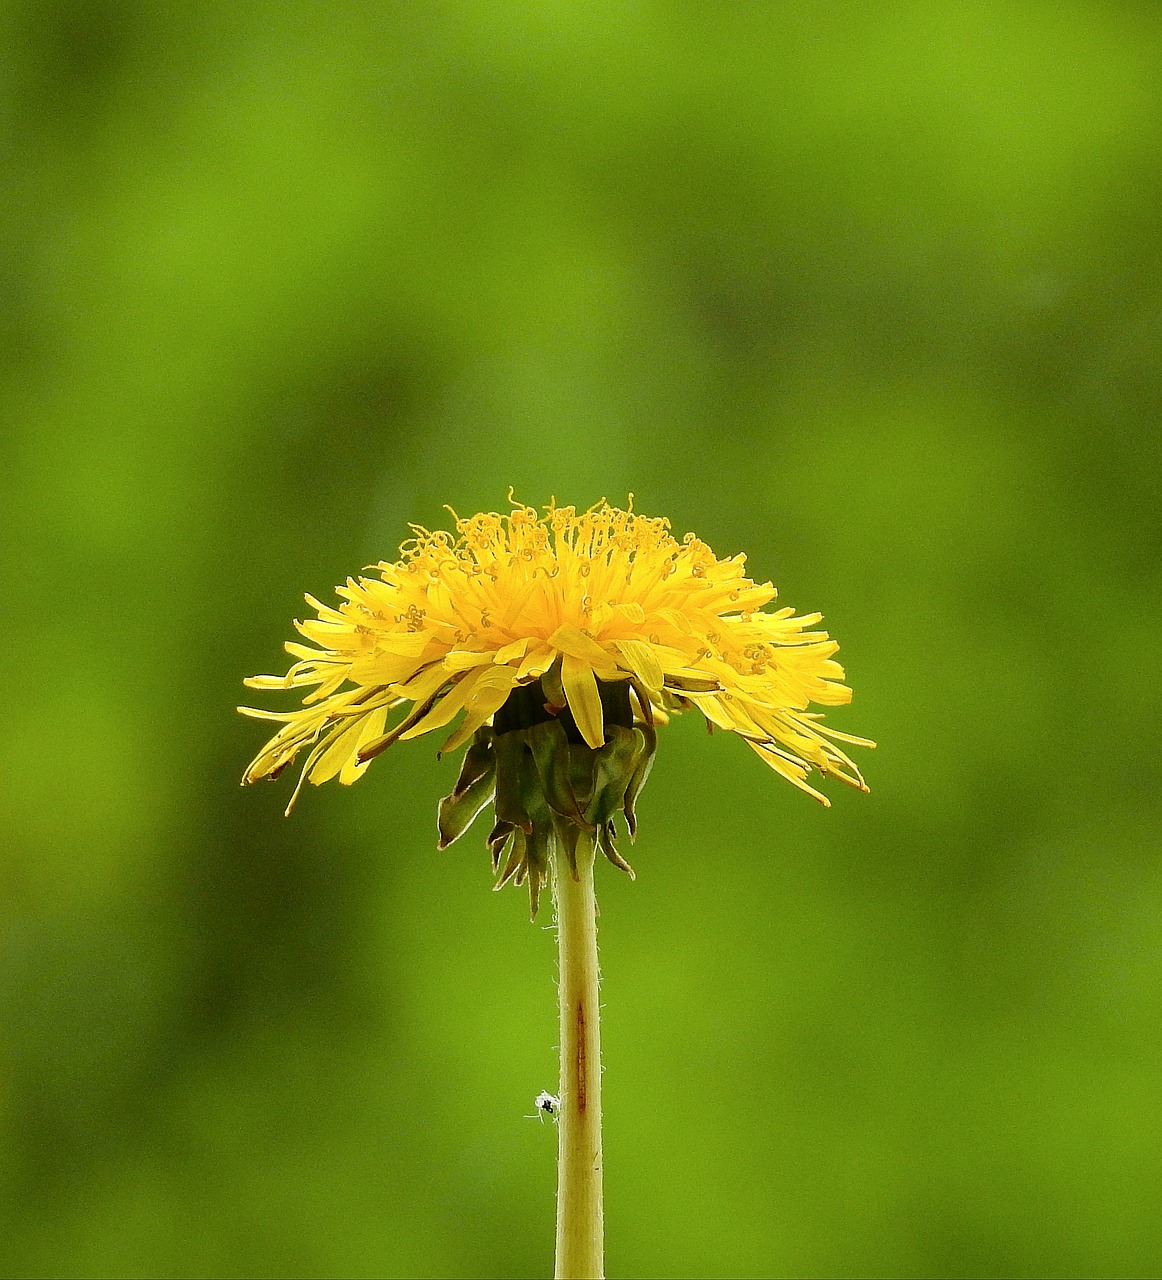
{"x": 873, "y": 293}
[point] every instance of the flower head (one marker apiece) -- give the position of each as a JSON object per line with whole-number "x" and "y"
{"x": 562, "y": 641}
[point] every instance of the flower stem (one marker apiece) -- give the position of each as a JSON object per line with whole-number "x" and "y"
{"x": 579, "y": 1211}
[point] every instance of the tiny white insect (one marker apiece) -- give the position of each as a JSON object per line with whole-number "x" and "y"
{"x": 546, "y": 1105}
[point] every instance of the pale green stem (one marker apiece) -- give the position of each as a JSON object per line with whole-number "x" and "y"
{"x": 579, "y": 1213}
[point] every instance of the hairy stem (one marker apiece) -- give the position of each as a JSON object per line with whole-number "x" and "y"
{"x": 579, "y": 1212}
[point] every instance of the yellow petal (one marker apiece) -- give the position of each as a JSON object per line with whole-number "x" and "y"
{"x": 643, "y": 662}
{"x": 466, "y": 659}
{"x": 327, "y": 688}
{"x": 444, "y": 710}
{"x": 423, "y": 684}
{"x": 830, "y": 695}
{"x": 631, "y": 611}
{"x": 576, "y": 644}
{"x": 511, "y": 651}
{"x": 831, "y": 733}
{"x": 325, "y": 612}
{"x": 468, "y": 726}
{"x": 308, "y": 654}
{"x": 584, "y": 701}
{"x": 280, "y": 682}
{"x": 382, "y": 668}
{"x": 535, "y": 663}
{"x": 492, "y": 687}
{"x": 488, "y": 695}
{"x": 340, "y": 748}
{"x": 402, "y": 644}
{"x": 372, "y": 728}
{"x": 716, "y": 712}
{"x": 257, "y": 713}
{"x": 787, "y": 769}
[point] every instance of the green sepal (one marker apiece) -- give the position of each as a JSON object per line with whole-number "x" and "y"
{"x": 550, "y": 749}
{"x": 457, "y": 812}
{"x": 612, "y": 769}
{"x": 536, "y": 884}
{"x": 607, "y": 842}
{"x": 473, "y": 790}
{"x": 551, "y": 793}
{"x": 581, "y": 770}
{"x": 478, "y": 761}
{"x": 568, "y": 833}
{"x": 511, "y": 784}
{"x": 645, "y": 762}
{"x": 538, "y": 851}
{"x": 498, "y": 838}
{"x": 514, "y": 866}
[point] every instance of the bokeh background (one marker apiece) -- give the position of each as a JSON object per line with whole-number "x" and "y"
{"x": 873, "y": 293}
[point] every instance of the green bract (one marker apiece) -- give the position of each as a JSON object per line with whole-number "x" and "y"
{"x": 547, "y": 784}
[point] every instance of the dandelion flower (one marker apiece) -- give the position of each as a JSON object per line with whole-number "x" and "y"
{"x": 560, "y": 643}
{"x": 576, "y": 632}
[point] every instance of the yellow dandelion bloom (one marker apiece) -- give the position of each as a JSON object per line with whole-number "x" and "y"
{"x": 598, "y": 625}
